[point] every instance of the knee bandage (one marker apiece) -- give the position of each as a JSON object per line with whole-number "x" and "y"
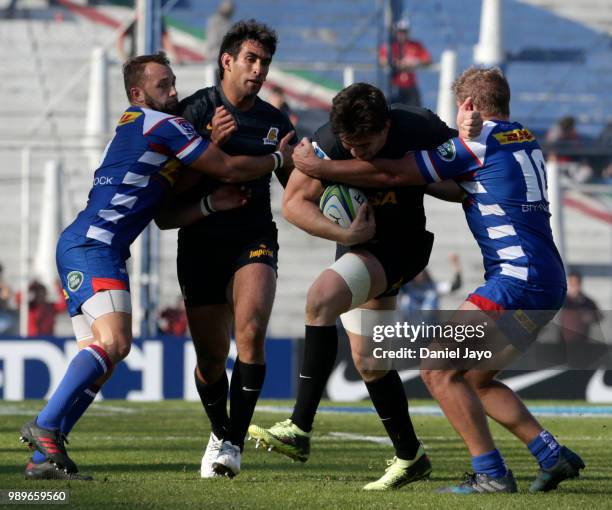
{"x": 106, "y": 301}
{"x": 365, "y": 322}
{"x": 355, "y": 273}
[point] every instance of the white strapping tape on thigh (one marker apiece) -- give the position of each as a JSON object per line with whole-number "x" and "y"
{"x": 106, "y": 301}
{"x": 356, "y": 275}
{"x": 361, "y": 321}
{"x": 82, "y": 329}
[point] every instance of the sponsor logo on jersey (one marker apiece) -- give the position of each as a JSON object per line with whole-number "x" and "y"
{"x": 103, "y": 180}
{"x": 541, "y": 207}
{"x": 446, "y": 151}
{"x": 128, "y": 117}
{"x": 263, "y": 251}
{"x": 272, "y": 137}
{"x": 382, "y": 198}
{"x": 184, "y": 126}
{"x": 75, "y": 280}
{"x": 514, "y": 136}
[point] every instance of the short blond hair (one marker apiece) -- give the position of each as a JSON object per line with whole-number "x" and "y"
{"x": 488, "y": 89}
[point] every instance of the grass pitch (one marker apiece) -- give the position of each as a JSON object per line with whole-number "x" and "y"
{"x": 147, "y": 455}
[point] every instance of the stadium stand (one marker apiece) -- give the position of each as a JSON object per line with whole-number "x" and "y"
{"x": 43, "y": 50}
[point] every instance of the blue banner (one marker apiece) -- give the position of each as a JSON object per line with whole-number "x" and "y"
{"x": 156, "y": 369}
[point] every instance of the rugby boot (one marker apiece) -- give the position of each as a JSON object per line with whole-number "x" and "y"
{"x": 480, "y": 483}
{"x": 283, "y": 437}
{"x": 48, "y": 471}
{"x": 210, "y": 455}
{"x": 50, "y": 443}
{"x": 401, "y": 472}
{"x": 568, "y": 466}
{"x": 228, "y": 460}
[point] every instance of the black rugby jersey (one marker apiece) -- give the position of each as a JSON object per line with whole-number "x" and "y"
{"x": 259, "y": 132}
{"x": 399, "y": 210}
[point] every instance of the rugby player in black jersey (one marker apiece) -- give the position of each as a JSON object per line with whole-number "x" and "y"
{"x": 227, "y": 263}
{"x": 366, "y": 277}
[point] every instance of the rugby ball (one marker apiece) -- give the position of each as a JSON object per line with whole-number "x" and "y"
{"x": 340, "y": 203}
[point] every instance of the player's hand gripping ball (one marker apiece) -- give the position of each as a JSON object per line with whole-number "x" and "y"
{"x": 340, "y": 203}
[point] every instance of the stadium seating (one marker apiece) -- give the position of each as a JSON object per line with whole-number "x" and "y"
{"x": 41, "y": 55}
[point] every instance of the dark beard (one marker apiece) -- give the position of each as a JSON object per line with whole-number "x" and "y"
{"x": 168, "y": 107}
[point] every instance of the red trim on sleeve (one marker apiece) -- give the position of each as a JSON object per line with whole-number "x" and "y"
{"x": 159, "y": 122}
{"x": 99, "y": 284}
{"x": 162, "y": 149}
{"x": 470, "y": 151}
{"x": 187, "y": 144}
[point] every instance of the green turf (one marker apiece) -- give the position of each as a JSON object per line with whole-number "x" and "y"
{"x": 147, "y": 455}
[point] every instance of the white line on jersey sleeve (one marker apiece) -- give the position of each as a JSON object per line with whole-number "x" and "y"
{"x": 110, "y": 215}
{"x": 124, "y": 200}
{"x": 134, "y": 179}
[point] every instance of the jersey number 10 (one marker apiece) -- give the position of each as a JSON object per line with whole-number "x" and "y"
{"x": 532, "y": 167}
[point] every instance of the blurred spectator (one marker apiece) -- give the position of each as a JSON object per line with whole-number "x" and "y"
{"x": 278, "y": 100}
{"x": 406, "y": 56}
{"x": 41, "y": 311}
{"x": 579, "y": 312}
{"x": 173, "y": 319}
{"x": 563, "y": 136}
{"x": 6, "y": 293}
{"x": 127, "y": 44}
{"x": 423, "y": 293}
{"x": 8, "y": 316}
{"x": 216, "y": 27}
{"x": 606, "y": 174}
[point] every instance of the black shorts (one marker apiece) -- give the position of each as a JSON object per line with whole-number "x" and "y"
{"x": 206, "y": 265}
{"x": 402, "y": 261}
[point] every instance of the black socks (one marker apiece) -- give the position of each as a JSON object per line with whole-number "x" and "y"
{"x": 246, "y": 385}
{"x": 389, "y": 399}
{"x": 214, "y": 401}
{"x": 320, "y": 350}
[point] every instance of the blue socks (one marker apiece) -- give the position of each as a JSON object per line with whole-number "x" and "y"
{"x": 84, "y": 369}
{"x": 490, "y": 463}
{"x": 545, "y": 449}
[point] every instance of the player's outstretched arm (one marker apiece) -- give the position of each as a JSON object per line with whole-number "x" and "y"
{"x": 300, "y": 207}
{"x": 235, "y": 169}
{"x": 175, "y": 214}
{"x": 378, "y": 173}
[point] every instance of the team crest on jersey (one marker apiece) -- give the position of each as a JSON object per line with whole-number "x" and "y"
{"x": 75, "y": 280}
{"x": 272, "y": 137}
{"x": 514, "y": 136}
{"x": 184, "y": 126}
{"x": 446, "y": 151}
{"x": 128, "y": 117}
